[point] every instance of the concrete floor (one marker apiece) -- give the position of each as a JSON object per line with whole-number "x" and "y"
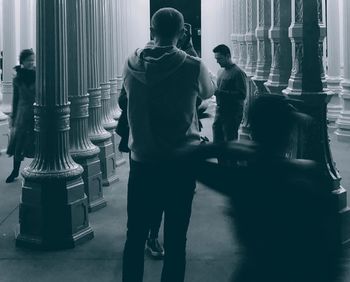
{"x": 211, "y": 251}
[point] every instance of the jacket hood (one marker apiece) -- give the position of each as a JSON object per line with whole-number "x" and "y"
{"x": 153, "y": 64}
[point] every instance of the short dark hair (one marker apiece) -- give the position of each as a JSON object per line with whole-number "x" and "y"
{"x": 167, "y": 22}
{"x": 271, "y": 119}
{"x": 25, "y": 54}
{"x": 222, "y": 49}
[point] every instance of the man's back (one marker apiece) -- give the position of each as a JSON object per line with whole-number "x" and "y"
{"x": 162, "y": 84}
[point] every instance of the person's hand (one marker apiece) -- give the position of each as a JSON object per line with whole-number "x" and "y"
{"x": 200, "y": 152}
{"x": 213, "y": 77}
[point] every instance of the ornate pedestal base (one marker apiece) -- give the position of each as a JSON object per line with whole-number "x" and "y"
{"x": 274, "y": 88}
{"x": 243, "y": 133}
{"x": 315, "y": 105}
{"x": 107, "y": 159}
{"x": 260, "y": 86}
{"x": 92, "y": 177}
{"x": 7, "y": 93}
{"x": 4, "y": 133}
{"x": 120, "y": 160}
{"x": 53, "y": 214}
{"x": 334, "y": 107}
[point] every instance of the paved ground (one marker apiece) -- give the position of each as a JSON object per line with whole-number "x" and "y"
{"x": 211, "y": 250}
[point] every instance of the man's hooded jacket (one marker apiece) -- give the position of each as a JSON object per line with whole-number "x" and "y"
{"x": 162, "y": 84}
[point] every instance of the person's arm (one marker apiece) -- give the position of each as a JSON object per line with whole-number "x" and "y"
{"x": 14, "y": 102}
{"x": 216, "y": 177}
{"x": 206, "y": 84}
{"x": 123, "y": 99}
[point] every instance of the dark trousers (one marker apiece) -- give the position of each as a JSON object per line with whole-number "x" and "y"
{"x": 225, "y": 129}
{"x": 226, "y": 125}
{"x": 155, "y": 223}
{"x": 169, "y": 184}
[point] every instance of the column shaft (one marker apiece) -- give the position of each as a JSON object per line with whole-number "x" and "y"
{"x": 120, "y": 52}
{"x": 343, "y": 122}
{"x": 264, "y": 45}
{"x": 81, "y": 148}
{"x": 280, "y": 46}
{"x": 242, "y": 31}
{"x": 113, "y": 57}
{"x": 250, "y": 67}
{"x": 9, "y": 54}
{"x": 25, "y": 24}
{"x": 108, "y": 122}
{"x": 115, "y": 81}
{"x": 3, "y": 117}
{"x": 98, "y": 135}
{"x": 1, "y": 26}
{"x": 333, "y": 74}
{"x": 250, "y": 38}
{"x": 236, "y": 30}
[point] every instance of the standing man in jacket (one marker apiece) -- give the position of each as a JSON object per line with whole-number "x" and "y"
{"x": 230, "y": 94}
{"x": 162, "y": 84}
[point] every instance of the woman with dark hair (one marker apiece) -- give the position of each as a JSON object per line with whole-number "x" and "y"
{"x": 21, "y": 143}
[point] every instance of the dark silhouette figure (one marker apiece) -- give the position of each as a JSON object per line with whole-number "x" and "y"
{"x": 22, "y": 139}
{"x": 283, "y": 211}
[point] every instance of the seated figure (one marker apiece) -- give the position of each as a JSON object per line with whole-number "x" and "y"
{"x": 283, "y": 210}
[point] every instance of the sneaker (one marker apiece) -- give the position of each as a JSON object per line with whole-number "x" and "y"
{"x": 154, "y": 248}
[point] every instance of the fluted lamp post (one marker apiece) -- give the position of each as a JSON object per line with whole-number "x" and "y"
{"x": 9, "y": 54}
{"x": 82, "y": 149}
{"x": 250, "y": 66}
{"x": 236, "y": 30}
{"x": 306, "y": 84}
{"x": 115, "y": 83}
{"x": 108, "y": 122}
{"x": 98, "y": 135}
{"x": 333, "y": 73}
{"x": 241, "y": 35}
{"x": 264, "y": 45}
{"x": 53, "y": 212}
{"x": 281, "y": 51}
{"x": 343, "y": 122}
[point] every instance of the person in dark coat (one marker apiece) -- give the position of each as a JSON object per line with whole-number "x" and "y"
{"x": 21, "y": 142}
